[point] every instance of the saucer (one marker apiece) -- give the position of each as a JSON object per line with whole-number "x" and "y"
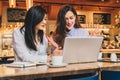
{"x": 55, "y": 66}
{"x": 40, "y": 63}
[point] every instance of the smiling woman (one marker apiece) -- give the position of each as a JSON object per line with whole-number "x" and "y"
{"x": 67, "y": 25}
{"x": 30, "y": 42}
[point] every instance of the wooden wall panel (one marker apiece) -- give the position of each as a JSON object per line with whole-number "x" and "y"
{"x": 0, "y": 8}
{"x": 53, "y": 11}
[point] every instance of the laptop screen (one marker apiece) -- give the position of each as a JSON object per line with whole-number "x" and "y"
{"x": 81, "y": 49}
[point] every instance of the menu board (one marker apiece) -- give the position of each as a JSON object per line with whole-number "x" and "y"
{"x": 16, "y": 14}
{"x": 82, "y": 19}
{"x": 101, "y": 18}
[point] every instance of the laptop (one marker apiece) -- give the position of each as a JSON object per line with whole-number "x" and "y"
{"x": 81, "y": 49}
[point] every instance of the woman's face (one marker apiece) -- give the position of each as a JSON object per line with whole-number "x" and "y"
{"x": 70, "y": 20}
{"x": 42, "y": 24}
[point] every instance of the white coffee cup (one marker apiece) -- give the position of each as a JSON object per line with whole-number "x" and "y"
{"x": 57, "y": 60}
{"x": 113, "y": 57}
{"x": 100, "y": 56}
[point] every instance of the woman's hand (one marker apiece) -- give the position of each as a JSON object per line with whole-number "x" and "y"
{"x": 57, "y": 50}
{"x": 50, "y": 39}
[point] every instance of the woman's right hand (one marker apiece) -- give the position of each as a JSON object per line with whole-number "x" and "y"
{"x": 50, "y": 39}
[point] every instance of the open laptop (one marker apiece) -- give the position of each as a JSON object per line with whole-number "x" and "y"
{"x": 81, "y": 49}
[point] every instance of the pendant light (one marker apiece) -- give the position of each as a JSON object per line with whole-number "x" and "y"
{"x": 29, "y": 3}
{"x": 117, "y": 1}
{"x": 12, "y": 3}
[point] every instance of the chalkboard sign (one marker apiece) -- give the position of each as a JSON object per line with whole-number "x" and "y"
{"x": 16, "y": 14}
{"x": 101, "y": 18}
{"x": 82, "y": 19}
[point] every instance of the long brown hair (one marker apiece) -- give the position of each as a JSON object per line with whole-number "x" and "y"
{"x": 61, "y": 30}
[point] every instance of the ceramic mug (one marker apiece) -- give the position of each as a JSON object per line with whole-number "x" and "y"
{"x": 100, "y": 56}
{"x": 113, "y": 57}
{"x": 57, "y": 60}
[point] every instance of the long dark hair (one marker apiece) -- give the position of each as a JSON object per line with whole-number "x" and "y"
{"x": 33, "y": 17}
{"x": 61, "y": 29}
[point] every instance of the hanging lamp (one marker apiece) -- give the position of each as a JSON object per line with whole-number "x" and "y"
{"x": 12, "y": 3}
{"x": 29, "y": 3}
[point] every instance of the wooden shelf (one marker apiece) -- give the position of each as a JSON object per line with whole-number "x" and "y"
{"x": 110, "y": 51}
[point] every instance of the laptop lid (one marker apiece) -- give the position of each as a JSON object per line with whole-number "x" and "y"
{"x": 81, "y": 49}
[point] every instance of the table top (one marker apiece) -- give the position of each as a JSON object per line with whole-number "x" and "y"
{"x": 45, "y": 71}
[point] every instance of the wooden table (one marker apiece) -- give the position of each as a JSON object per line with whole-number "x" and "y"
{"x": 44, "y": 71}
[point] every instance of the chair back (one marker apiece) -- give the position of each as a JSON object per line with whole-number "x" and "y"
{"x": 93, "y": 77}
{"x": 110, "y": 75}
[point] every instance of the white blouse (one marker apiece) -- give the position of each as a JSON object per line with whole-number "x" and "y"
{"x": 23, "y": 53}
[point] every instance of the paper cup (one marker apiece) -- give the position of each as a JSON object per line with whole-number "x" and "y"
{"x": 113, "y": 57}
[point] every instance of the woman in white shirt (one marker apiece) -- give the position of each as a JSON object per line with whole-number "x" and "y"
{"x": 30, "y": 42}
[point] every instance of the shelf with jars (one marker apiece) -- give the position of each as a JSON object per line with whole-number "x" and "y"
{"x": 97, "y": 29}
{"x": 6, "y": 48}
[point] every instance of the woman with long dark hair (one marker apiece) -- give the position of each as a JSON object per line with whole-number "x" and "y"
{"x": 67, "y": 25}
{"x": 29, "y": 41}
